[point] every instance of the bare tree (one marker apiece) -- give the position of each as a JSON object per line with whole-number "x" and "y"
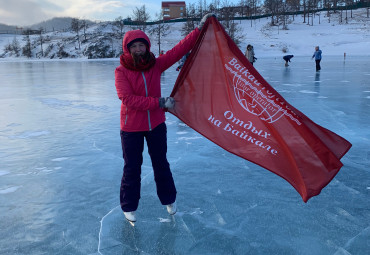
{"x": 227, "y": 14}
{"x": 190, "y": 22}
{"x": 282, "y": 15}
{"x": 159, "y": 30}
{"x": 250, "y": 8}
{"x": 118, "y": 27}
{"x": 293, "y": 5}
{"x": 84, "y": 25}
{"x": 76, "y": 26}
{"x": 348, "y": 4}
{"x": 243, "y": 8}
{"x": 41, "y": 40}
{"x": 334, "y": 4}
{"x": 199, "y": 9}
{"x": 215, "y": 7}
{"x": 253, "y": 6}
{"x": 141, "y": 16}
{"x": 272, "y": 7}
{"x": 26, "y": 50}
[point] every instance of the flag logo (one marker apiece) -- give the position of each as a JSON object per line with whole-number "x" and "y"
{"x": 254, "y": 97}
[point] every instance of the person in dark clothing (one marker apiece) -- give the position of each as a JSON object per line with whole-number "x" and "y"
{"x": 287, "y": 59}
{"x": 182, "y": 61}
{"x": 317, "y": 56}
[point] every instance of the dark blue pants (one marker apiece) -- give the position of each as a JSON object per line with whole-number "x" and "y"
{"x": 132, "y": 148}
{"x": 318, "y": 67}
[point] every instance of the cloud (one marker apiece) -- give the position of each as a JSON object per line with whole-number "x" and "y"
{"x": 111, "y": 9}
{"x": 29, "y": 12}
{"x": 93, "y": 9}
{"x": 21, "y": 12}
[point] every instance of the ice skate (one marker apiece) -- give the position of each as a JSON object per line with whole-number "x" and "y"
{"x": 130, "y": 216}
{"x": 171, "y": 208}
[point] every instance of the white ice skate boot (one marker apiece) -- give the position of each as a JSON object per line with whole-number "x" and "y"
{"x": 171, "y": 208}
{"x": 130, "y": 216}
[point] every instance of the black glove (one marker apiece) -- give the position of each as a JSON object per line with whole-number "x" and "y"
{"x": 166, "y": 102}
{"x": 205, "y": 17}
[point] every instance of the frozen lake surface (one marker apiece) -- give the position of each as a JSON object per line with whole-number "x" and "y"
{"x": 61, "y": 168}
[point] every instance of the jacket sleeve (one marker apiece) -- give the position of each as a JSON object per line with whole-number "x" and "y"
{"x": 128, "y": 97}
{"x": 180, "y": 49}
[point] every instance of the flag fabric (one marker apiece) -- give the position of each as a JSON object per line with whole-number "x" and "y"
{"x": 220, "y": 95}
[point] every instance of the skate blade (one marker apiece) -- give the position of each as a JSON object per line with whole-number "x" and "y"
{"x": 132, "y": 223}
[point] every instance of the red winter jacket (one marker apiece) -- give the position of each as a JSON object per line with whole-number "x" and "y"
{"x": 139, "y": 91}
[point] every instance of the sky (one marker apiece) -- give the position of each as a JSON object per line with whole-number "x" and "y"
{"x": 29, "y": 12}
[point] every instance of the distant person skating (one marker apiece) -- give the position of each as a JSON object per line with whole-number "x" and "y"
{"x": 249, "y": 53}
{"x": 317, "y": 56}
{"x": 287, "y": 59}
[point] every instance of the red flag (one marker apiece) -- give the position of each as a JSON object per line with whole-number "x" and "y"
{"x": 220, "y": 95}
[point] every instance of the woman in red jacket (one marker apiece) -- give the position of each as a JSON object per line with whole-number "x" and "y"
{"x": 137, "y": 81}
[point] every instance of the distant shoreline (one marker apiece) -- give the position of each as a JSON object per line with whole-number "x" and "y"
{"x": 4, "y": 60}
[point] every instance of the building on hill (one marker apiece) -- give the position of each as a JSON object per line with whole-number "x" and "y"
{"x": 173, "y": 10}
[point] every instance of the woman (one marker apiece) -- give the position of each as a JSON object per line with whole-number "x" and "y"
{"x": 137, "y": 81}
{"x": 250, "y": 54}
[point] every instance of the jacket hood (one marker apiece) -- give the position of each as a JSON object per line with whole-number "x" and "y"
{"x": 133, "y": 35}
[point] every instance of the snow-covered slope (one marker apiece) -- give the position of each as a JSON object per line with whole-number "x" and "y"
{"x": 333, "y": 34}
{"x": 333, "y": 37}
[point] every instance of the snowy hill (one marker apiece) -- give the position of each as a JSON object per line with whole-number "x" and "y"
{"x": 57, "y": 24}
{"x": 4, "y": 27}
{"x": 333, "y": 34}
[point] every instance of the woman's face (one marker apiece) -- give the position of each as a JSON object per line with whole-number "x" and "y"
{"x": 138, "y": 48}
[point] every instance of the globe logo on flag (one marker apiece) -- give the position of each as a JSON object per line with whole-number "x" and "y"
{"x": 255, "y": 101}
{"x": 253, "y": 97}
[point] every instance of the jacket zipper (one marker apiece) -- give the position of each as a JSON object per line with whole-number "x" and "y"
{"x": 146, "y": 93}
{"x": 126, "y": 116}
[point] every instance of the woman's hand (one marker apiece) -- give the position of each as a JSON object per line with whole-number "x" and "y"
{"x": 204, "y": 19}
{"x": 166, "y": 102}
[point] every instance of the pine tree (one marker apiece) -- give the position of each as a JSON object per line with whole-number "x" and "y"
{"x": 16, "y": 48}
{"x": 76, "y": 26}
{"x": 26, "y": 50}
{"x": 41, "y": 40}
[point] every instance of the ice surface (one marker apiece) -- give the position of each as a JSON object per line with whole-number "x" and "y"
{"x": 61, "y": 168}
